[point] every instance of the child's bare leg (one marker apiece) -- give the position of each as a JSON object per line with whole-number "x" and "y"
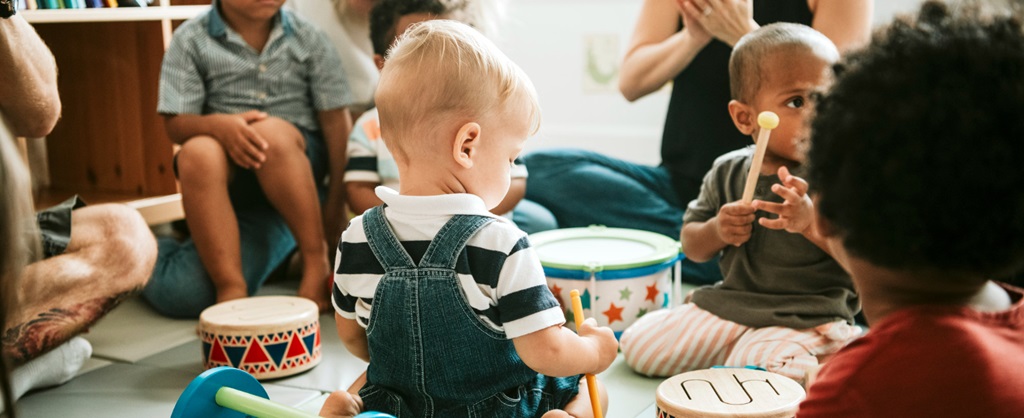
{"x": 204, "y": 171}
{"x": 287, "y": 180}
{"x": 580, "y": 406}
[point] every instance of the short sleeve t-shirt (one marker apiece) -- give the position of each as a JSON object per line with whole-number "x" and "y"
{"x": 776, "y": 278}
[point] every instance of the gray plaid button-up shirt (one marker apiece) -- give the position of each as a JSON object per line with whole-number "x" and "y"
{"x": 209, "y": 68}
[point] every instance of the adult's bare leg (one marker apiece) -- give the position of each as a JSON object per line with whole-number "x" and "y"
{"x": 109, "y": 258}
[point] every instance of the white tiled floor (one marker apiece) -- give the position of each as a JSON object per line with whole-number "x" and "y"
{"x": 142, "y": 362}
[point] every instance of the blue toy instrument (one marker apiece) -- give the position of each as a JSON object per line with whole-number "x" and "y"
{"x": 227, "y": 392}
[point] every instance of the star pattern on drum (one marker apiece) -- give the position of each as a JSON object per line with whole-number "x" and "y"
{"x": 585, "y": 299}
{"x": 557, "y": 291}
{"x": 641, "y": 312}
{"x": 625, "y": 293}
{"x": 652, "y": 293}
{"x": 614, "y": 313}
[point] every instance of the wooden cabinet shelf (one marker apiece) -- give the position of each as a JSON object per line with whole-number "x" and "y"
{"x": 119, "y": 14}
{"x": 155, "y": 209}
{"x": 110, "y": 144}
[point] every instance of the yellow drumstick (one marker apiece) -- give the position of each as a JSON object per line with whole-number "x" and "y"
{"x": 577, "y": 313}
{"x": 767, "y": 121}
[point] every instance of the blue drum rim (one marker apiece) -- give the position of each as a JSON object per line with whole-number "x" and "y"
{"x": 557, "y": 273}
{"x": 666, "y": 250}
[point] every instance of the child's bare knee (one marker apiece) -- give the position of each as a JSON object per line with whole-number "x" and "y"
{"x": 280, "y": 134}
{"x": 200, "y": 155}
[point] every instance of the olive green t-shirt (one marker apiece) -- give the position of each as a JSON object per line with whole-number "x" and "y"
{"x": 776, "y": 278}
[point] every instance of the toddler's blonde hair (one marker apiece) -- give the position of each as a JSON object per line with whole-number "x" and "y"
{"x": 441, "y": 73}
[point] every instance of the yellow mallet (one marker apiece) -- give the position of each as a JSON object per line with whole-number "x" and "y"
{"x": 577, "y": 313}
{"x": 767, "y": 121}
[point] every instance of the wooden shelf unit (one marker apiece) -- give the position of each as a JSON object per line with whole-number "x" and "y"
{"x": 110, "y": 144}
{"x": 119, "y": 14}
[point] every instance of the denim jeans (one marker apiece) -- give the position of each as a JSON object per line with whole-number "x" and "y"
{"x": 583, "y": 188}
{"x": 532, "y": 217}
{"x": 180, "y": 286}
{"x": 431, "y": 354}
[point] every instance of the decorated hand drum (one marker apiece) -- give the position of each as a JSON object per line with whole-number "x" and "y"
{"x": 728, "y": 392}
{"x": 267, "y": 336}
{"x": 621, "y": 274}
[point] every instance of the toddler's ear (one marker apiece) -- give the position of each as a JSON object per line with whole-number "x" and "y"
{"x": 465, "y": 144}
{"x": 742, "y": 116}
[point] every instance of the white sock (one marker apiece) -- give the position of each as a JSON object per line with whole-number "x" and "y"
{"x": 53, "y": 368}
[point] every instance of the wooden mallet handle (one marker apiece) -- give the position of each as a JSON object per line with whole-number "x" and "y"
{"x": 767, "y": 121}
{"x": 577, "y": 314}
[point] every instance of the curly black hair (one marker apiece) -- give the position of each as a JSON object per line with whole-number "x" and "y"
{"x": 385, "y": 14}
{"x": 917, "y": 151}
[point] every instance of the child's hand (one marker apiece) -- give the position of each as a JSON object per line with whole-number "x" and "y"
{"x": 341, "y": 404}
{"x": 797, "y": 211}
{"x": 240, "y": 140}
{"x": 603, "y": 340}
{"x": 734, "y": 223}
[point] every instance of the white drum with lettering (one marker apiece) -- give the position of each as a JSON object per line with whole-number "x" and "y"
{"x": 729, "y": 392}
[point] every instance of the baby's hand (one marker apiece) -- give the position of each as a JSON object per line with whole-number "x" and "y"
{"x": 603, "y": 340}
{"x": 341, "y": 404}
{"x": 795, "y": 213}
{"x": 734, "y": 223}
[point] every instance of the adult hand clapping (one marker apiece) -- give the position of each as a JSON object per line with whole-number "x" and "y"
{"x": 725, "y": 20}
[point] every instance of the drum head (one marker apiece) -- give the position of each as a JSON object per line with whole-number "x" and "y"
{"x": 260, "y": 311}
{"x": 598, "y": 248}
{"x": 729, "y": 392}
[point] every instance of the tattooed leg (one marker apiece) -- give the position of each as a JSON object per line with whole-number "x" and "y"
{"x": 109, "y": 258}
{"x": 54, "y": 327}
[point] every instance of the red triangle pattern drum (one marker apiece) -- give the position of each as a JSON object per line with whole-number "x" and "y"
{"x": 268, "y": 337}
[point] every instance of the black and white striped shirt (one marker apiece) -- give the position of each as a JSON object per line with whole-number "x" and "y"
{"x": 499, "y": 272}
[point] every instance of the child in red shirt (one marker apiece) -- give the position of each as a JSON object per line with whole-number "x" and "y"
{"x": 916, "y": 160}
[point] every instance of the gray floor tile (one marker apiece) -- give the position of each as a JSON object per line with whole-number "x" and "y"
{"x": 133, "y": 331}
{"x": 128, "y": 391}
{"x": 91, "y": 364}
{"x": 629, "y": 394}
{"x": 187, "y": 358}
{"x": 650, "y": 412}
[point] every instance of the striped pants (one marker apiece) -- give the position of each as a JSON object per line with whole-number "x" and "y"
{"x": 672, "y": 341}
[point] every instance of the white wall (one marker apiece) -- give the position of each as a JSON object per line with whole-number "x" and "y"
{"x": 552, "y": 39}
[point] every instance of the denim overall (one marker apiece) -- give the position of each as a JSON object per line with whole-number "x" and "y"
{"x": 430, "y": 354}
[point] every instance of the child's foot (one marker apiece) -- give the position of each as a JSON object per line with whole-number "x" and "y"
{"x": 231, "y": 293}
{"x": 316, "y": 284}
